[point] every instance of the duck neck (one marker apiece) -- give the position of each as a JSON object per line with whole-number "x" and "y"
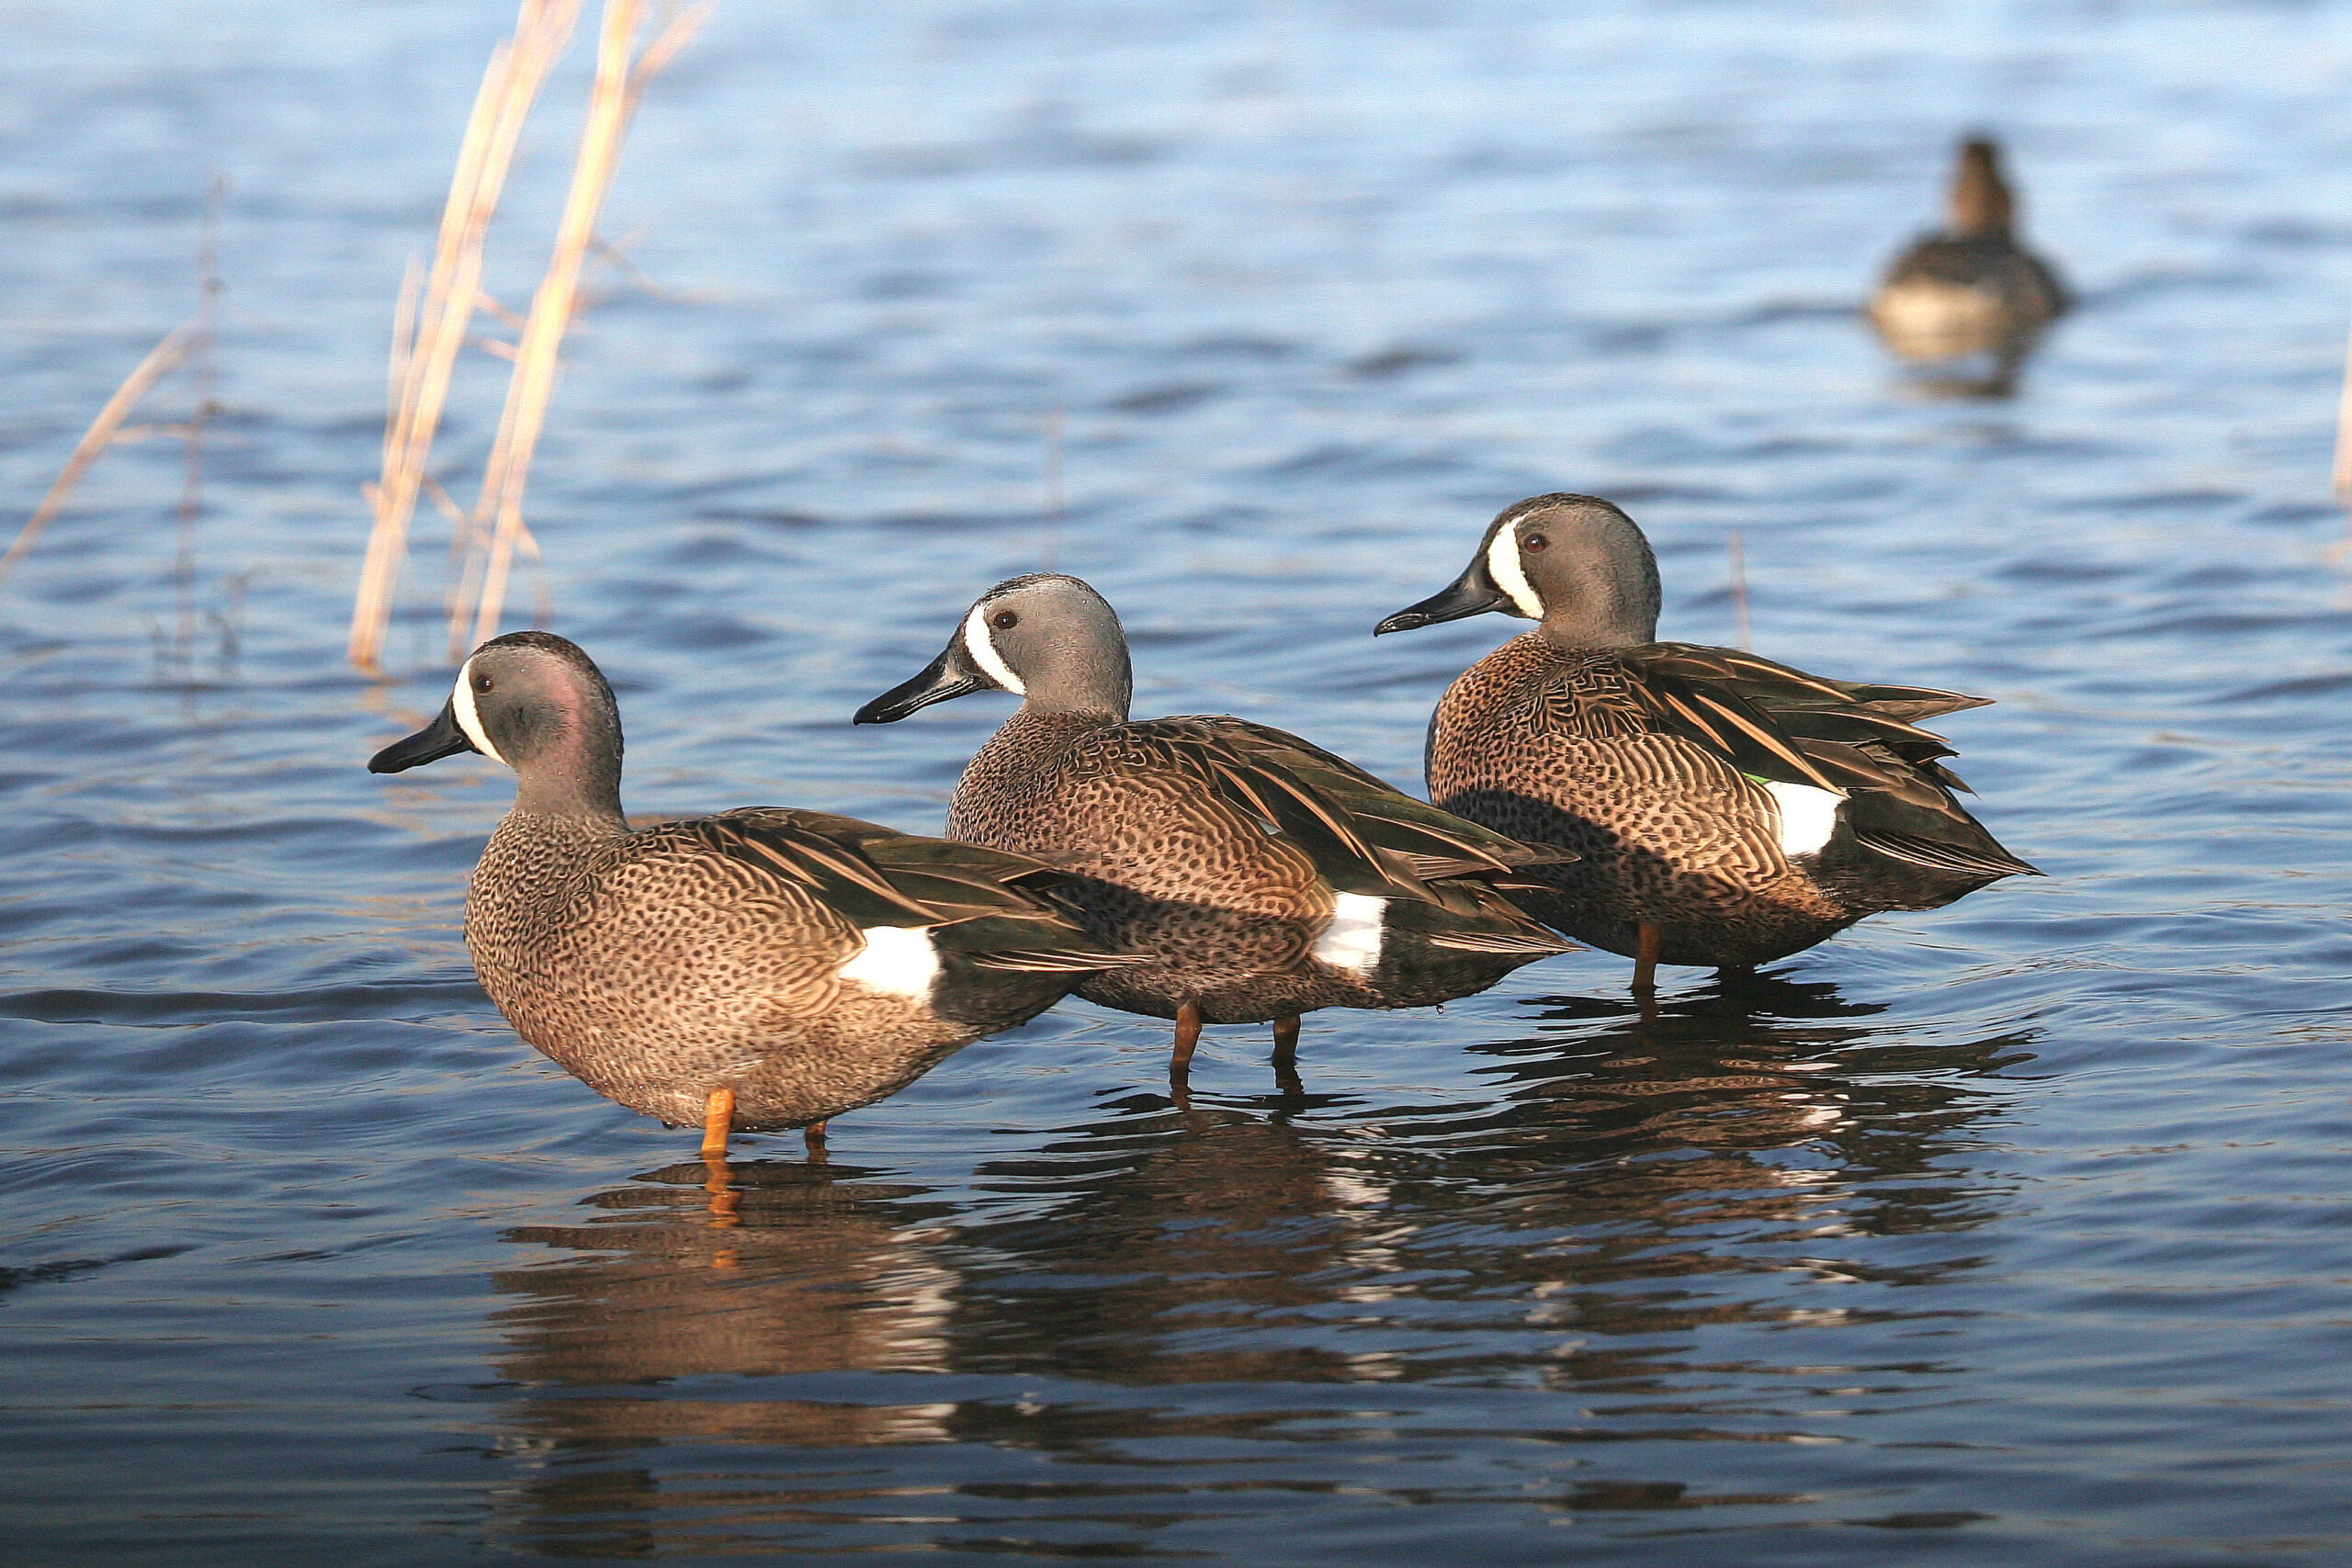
{"x": 1981, "y": 206}
{"x": 576, "y": 779}
{"x": 594, "y": 805}
{"x": 1084, "y": 681}
{"x": 1606, "y": 608}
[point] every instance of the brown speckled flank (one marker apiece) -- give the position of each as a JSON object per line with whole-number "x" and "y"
{"x": 1655, "y": 762}
{"x": 1228, "y": 911}
{"x": 1544, "y": 745}
{"x": 655, "y": 967}
{"x": 660, "y": 965}
{"x": 1222, "y": 850}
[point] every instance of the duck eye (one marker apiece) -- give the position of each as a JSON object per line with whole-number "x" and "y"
{"x": 1533, "y": 542}
{"x": 1004, "y": 619}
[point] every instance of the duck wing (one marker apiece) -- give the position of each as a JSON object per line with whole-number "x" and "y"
{"x": 1781, "y": 724}
{"x": 993, "y": 907}
{"x": 1364, "y": 834}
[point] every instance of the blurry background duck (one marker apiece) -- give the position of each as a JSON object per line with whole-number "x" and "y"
{"x": 1265, "y": 876}
{"x": 1726, "y": 810}
{"x": 764, "y": 968}
{"x": 1968, "y": 303}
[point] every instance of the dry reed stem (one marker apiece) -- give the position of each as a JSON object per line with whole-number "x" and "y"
{"x": 155, "y": 368}
{"x": 679, "y": 25}
{"x": 427, "y": 345}
{"x": 619, "y": 83}
{"x": 403, "y": 351}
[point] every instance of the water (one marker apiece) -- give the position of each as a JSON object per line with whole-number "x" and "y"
{"x": 2011, "y": 1233}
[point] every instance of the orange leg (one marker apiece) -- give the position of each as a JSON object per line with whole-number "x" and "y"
{"x": 1188, "y": 1035}
{"x": 1647, "y": 939}
{"x": 717, "y": 1121}
{"x": 814, "y": 1135}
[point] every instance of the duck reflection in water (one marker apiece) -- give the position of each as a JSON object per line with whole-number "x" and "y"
{"x": 1632, "y": 1186}
{"x": 1967, "y": 304}
{"x": 731, "y": 1270}
{"x": 1628, "y": 1152}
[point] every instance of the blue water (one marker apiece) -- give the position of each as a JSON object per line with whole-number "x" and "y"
{"x": 2010, "y": 1233}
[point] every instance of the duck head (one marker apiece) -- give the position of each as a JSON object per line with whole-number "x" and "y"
{"x": 1574, "y": 563}
{"x": 536, "y": 703}
{"x": 1050, "y": 641}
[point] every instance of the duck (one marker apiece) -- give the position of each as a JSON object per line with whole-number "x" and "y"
{"x": 761, "y": 969}
{"x": 1264, "y": 877}
{"x": 1970, "y": 288}
{"x": 1728, "y": 810}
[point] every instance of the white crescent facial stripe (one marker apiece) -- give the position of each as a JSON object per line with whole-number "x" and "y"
{"x": 461, "y": 702}
{"x": 1808, "y": 815}
{"x": 1502, "y": 565}
{"x": 984, "y": 654}
{"x": 901, "y": 960}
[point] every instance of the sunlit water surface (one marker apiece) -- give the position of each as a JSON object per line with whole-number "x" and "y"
{"x": 2013, "y": 1233}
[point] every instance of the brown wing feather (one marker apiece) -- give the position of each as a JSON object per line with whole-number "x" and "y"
{"x": 1780, "y": 724}
{"x": 1362, "y": 835}
{"x": 992, "y": 907}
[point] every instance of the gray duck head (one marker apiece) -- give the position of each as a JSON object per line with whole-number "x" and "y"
{"x": 534, "y": 701}
{"x": 1573, "y": 562}
{"x": 1050, "y": 639}
{"x": 1981, "y": 203}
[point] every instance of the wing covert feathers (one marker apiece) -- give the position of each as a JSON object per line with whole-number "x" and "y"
{"x": 1364, "y": 834}
{"x": 994, "y": 908}
{"x": 1781, "y": 724}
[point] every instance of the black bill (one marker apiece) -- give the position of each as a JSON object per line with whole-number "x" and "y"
{"x": 949, "y": 675}
{"x": 440, "y": 739}
{"x": 1472, "y": 593}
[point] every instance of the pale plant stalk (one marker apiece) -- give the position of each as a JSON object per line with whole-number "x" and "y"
{"x": 158, "y": 364}
{"x": 618, "y": 86}
{"x": 429, "y": 335}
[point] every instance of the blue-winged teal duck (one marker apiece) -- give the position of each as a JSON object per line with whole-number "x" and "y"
{"x": 1729, "y": 810}
{"x": 1972, "y": 288}
{"x": 1266, "y": 876}
{"x": 764, "y": 968}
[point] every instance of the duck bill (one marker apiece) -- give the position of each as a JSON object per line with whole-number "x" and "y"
{"x": 440, "y": 739}
{"x": 944, "y": 677}
{"x": 1472, "y": 593}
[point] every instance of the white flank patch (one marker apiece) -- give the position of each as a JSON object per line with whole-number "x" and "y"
{"x": 1808, "y": 815}
{"x": 462, "y": 702}
{"x": 984, "y": 653}
{"x": 900, "y": 960}
{"x": 1353, "y": 939}
{"x": 1502, "y": 565}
